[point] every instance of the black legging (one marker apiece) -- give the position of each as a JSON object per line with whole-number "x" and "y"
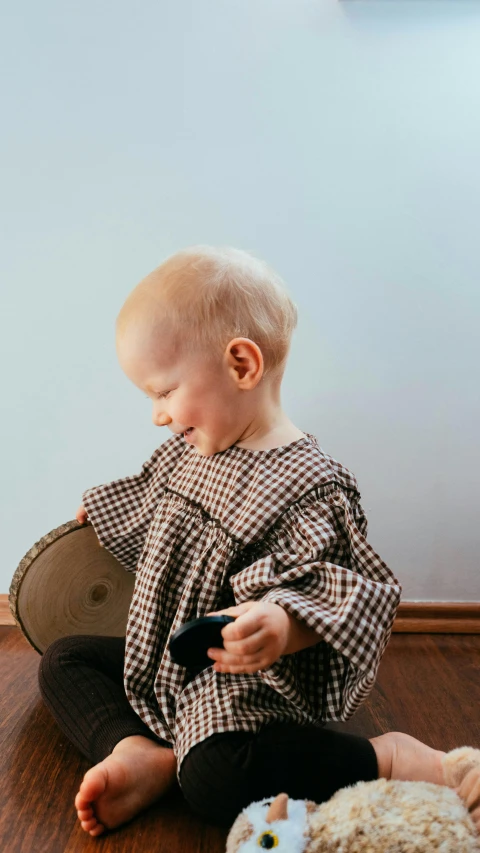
{"x": 81, "y": 682}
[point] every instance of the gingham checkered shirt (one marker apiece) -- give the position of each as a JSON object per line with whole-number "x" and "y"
{"x": 204, "y": 533}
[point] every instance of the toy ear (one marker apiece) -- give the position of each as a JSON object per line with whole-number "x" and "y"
{"x": 240, "y": 832}
{"x": 459, "y": 762}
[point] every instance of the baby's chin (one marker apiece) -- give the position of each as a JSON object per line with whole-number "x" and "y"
{"x": 201, "y": 453}
{"x": 205, "y": 452}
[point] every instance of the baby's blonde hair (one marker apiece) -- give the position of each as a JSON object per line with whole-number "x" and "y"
{"x": 210, "y": 295}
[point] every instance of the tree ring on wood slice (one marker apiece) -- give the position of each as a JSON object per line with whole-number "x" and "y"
{"x": 68, "y": 584}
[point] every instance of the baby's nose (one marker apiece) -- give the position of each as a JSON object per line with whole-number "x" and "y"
{"x": 161, "y": 420}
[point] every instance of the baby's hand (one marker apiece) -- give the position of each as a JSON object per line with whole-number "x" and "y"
{"x": 81, "y": 515}
{"x": 256, "y": 639}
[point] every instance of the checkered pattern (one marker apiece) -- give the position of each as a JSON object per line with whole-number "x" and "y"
{"x": 207, "y": 532}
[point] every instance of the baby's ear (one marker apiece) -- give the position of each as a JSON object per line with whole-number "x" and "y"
{"x": 459, "y": 762}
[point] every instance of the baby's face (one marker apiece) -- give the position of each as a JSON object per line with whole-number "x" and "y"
{"x": 186, "y": 391}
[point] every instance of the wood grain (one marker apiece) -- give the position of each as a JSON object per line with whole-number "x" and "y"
{"x": 6, "y": 617}
{"x": 427, "y": 686}
{"x": 41, "y": 771}
{"x": 438, "y": 617}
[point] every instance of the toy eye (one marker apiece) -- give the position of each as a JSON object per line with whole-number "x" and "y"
{"x": 267, "y": 840}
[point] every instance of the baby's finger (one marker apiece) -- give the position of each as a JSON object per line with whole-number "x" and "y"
{"x": 235, "y": 611}
{"x": 249, "y": 646}
{"x": 227, "y": 658}
{"x": 81, "y": 514}
{"x": 236, "y": 670}
{"x": 244, "y": 626}
{"x": 234, "y": 663}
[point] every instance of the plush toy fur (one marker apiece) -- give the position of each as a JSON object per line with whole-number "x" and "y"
{"x": 383, "y": 816}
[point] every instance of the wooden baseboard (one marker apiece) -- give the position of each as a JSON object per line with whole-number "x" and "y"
{"x": 6, "y": 617}
{"x": 438, "y": 617}
{"x": 413, "y": 617}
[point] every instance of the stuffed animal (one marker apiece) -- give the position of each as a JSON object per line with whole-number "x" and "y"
{"x": 383, "y": 816}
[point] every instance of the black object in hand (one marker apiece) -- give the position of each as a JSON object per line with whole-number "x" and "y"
{"x": 189, "y": 644}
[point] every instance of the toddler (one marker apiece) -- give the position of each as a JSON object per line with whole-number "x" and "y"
{"x": 237, "y": 512}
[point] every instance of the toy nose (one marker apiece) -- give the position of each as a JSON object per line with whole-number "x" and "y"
{"x": 278, "y": 809}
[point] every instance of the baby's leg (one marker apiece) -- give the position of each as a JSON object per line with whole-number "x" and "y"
{"x": 228, "y": 771}
{"x": 81, "y": 681}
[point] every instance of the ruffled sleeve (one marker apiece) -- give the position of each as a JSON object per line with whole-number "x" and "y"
{"x": 322, "y": 570}
{"x": 121, "y": 511}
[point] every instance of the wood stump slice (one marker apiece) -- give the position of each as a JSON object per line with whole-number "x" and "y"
{"x": 68, "y": 584}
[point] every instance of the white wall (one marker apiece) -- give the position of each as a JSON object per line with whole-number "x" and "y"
{"x": 338, "y": 140}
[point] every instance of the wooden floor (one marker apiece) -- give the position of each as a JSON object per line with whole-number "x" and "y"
{"x": 428, "y": 686}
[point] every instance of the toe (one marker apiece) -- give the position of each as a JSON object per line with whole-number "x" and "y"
{"x": 94, "y": 783}
{"x": 470, "y": 789}
{"x": 475, "y": 815}
{"x": 87, "y": 825}
{"x": 98, "y": 830}
{"x": 85, "y": 814}
{"x": 80, "y": 802}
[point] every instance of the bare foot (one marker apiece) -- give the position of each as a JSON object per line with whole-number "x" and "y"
{"x": 134, "y": 775}
{"x": 401, "y": 756}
